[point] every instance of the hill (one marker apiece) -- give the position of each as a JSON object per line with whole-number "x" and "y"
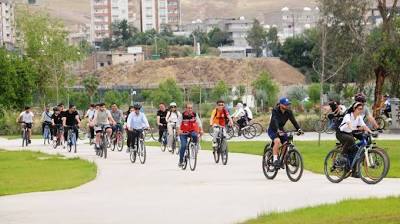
{"x": 199, "y": 71}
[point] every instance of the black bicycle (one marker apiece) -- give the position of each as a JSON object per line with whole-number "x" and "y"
{"x": 370, "y": 163}
{"x": 221, "y": 151}
{"x": 164, "y": 139}
{"x": 289, "y": 158}
{"x": 71, "y": 138}
{"x": 139, "y": 149}
{"x": 58, "y": 136}
{"x": 190, "y": 155}
{"x": 118, "y": 138}
{"x": 174, "y": 143}
{"x": 25, "y": 134}
{"x": 104, "y": 143}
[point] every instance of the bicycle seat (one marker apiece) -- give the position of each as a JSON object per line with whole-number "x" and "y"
{"x": 338, "y": 143}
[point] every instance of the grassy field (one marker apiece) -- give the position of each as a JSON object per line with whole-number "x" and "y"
{"x": 26, "y": 171}
{"x": 313, "y": 154}
{"x": 368, "y": 211}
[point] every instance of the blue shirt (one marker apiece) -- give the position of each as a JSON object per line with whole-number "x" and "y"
{"x": 137, "y": 121}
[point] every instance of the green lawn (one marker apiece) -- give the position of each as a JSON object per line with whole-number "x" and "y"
{"x": 26, "y": 171}
{"x": 368, "y": 211}
{"x": 313, "y": 154}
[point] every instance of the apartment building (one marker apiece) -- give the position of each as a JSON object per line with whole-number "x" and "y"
{"x": 7, "y": 23}
{"x": 296, "y": 21}
{"x": 159, "y": 13}
{"x": 100, "y": 20}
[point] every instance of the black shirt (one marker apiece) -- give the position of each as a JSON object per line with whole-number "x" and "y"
{"x": 70, "y": 118}
{"x": 57, "y": 118}
{"x": 162, "y": 115}
{"x": 279, "y": 119}
{"x": 333, "y": 106}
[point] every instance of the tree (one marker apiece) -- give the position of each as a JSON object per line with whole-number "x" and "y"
{"x": 114, "y": 96}
{"x": 256, "y": 37}
{"x": 220, "y": 91}
{"x": 266, "y": 89}
{"x": 106, "y": 44}
{"x": 297, "y": 93}
{"x": 79, "y": 99}
{"x": 218, "y": 38}
{"x": 167, "y": 91}
{"x": 161, "y": 48}
{"x": 91, "y": 83}
{"x": 273, "y": 41}
{"x": 297, "y": 52}
{"x": 313, "y": 92}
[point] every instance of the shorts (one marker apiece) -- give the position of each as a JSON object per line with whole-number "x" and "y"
{"x": 28, "y": 125}
{"x": 99, "y": 128}
{"x": 274, "y": 134}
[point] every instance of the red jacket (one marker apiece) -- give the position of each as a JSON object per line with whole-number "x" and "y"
{"x": 189, "y": 122}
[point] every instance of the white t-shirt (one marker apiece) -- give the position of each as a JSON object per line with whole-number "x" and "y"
{"x": 172, "y": 117}
{"x": 249, "y": 113}
{"x": 354, "y": 123}
{"x": 26, "y": 117}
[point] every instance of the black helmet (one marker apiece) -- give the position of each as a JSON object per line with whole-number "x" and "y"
{"x": 137, "y": 106}
{"x": 359, "y": 97}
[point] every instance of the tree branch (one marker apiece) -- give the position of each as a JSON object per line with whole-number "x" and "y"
{"x": 392, "y": 10}
{"x": 340, "y": 68}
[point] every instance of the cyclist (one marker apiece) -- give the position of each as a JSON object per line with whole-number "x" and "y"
{"x": 26, "y": 118}
{"x": 189, "y": 125}
{"x": 102, "y": 120}
{"x": 161, "y": 120}
{"x": 57, "y": 123}
{"x": 129, "y": 134}
{"x": 90, "y": 115}
{"x": 137, "y": 122}
{"x": 280, "y": 115}
{"x": 219, "y": 118}
{"x": 240, "y": 114}
{"x": 352, "y": 122}
{"x": 172, "y": 120}
{"x": 387, "y": 109}
{"x": 248, "y": 112}
{"x": 46, "y": 120}
{"x": 71, "y": 119}
{"x": 335, "y": 111}
{"x": 360, "y": 98}
{"x": 118, "y": 117}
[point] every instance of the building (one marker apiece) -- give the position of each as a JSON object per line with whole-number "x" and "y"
{"x": 134, "y": 13}
{"x": 100, "y": 27}
{"x": 7, "y": 23}
{"x": 174, "y": 14}
{"x": 119, "y": 10}
{"x": 296, "y": 21}
{"x": 126, "y": 57}
{"x": 156, "y": 14}
{"x": 238, "y": 28}
{"x": 79, "y": 33}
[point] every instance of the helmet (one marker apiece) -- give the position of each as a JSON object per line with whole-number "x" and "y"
{"x": 285, "y": 101}
{"x": 359, "y": 97}
{"x": 137, "y": 106}
{"x": 173, "y": 104}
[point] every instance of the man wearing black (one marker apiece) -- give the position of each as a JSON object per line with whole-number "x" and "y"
{"x": 161, "y": 120}
{"x": 71, "y": 118}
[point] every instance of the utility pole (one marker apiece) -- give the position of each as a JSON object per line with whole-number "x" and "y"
{"x": 322, "y": 77}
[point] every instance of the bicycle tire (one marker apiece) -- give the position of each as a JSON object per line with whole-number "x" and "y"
{"x": 340, "y": 169}
{"x": 132, "y": 156}
{"x": 293, "y": 153}
{"x": 259, "y": 128}
{"x": 142, "y": 152}
{"x": 192, "y": 156}
{"x": 230, "y": 132}
{"x": 211, "y": 131}
{"x": 185, "y": 158}
{"x": 362, "y": 165}
{"x": 249, "y": 132}
{"x": 216, "y": 154}
{"x": 320, "y": 126}
{"x": 224, "y": 152}
{"x": 386, "y": 157}
{"x": 24, "y": 138}
{"x": 267, "y": 164}
{"x": 147, "y": 134}
{"x": 381, "y": 123}
{"x": 120, "y": 142}
{"x": 105, "y": 146}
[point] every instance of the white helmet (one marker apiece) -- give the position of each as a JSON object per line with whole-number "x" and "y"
{"x": 173, "y": 104}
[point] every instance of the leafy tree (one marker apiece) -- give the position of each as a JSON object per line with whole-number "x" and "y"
{"x": 266, "y": 89}
{"x": 113, "y": 96}
{"x": 167, "y": 91}
{"x": 297, "y": 93}
{"x": 106, "y": 44}
{"x": 297, "y": 52}
{"x": 256, "y": 37}
{"x": 91, "y": 84}
{"x": 273, "y": 41}
{"x": 79, "y": 99}
{"x": 161, "y": 48}
{"x": 220, "y": 91}
{"x": 218, "y": 38}
{"x": 314, "y": 92}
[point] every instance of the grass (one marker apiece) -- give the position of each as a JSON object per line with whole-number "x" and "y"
{"x": 367, "y": 211}
{"x": 313, "y": 154}
{"x": 26, "y": 171}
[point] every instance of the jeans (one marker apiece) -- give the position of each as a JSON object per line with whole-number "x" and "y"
{"x": 161, "y": 129}
{"x": 216, "y": 130}
{"x": 184, "y": 140}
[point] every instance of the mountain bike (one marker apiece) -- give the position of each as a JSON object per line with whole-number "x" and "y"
{"x": 118, "y": 138}
{"x": 139, "y": 149}
{"x": 25, "y": 134}
{"x": 190, "y": 156}
{"x": 71, "y": 138}
{"x": 221, "y": 151}
{"x": 104, "y": 143}
{"x": 57, "y": 140}
{"x": 370, "y": 163}
{"x": 289, "y": 158}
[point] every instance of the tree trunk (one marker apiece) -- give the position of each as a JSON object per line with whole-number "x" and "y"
{"x": 380, "y": 74}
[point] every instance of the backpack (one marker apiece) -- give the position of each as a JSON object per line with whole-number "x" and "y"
{"x": 339, "y": 119}
{"x": 225, "y": 113}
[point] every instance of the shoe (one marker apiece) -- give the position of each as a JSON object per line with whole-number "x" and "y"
{"x": 277, "y": 163}
{"x": 29, "y": 141}
{"x": 214, "y": 144}
{"x": 355, "y": 174}
{"x": 180, "y": 164}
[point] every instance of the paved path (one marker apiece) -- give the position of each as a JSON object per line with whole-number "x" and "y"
{"x": 159, "y": 192}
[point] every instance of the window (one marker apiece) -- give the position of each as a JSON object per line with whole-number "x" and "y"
{"x": 101, "y": 64}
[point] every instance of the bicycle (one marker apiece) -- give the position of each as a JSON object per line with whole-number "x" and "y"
{"x": 259, "y": 128}
{"x": 57, "y": 138}
{"x": 71, "y": 138}
{"x": 221, "y": 151}
{"x": 383, "y": 121}
{"x": 326, "y": 125}
{"x": 104, "y": 143}
{"x": 190, "y": 156}
{"x": 289, "y": 158}
{"x": 25, "y": 134}
{"x": 46, "y": 133}
{"x": 249, "y": 131}
{"x": 370, "y": 163}
{"x": 230, "y": 131}
{"x": 175, "y": 142}
{"x": 148, "y": 134}
{"x": 164, "y": 139}
{"x": 139, "y": 148}
{"x": 118, "y": 138}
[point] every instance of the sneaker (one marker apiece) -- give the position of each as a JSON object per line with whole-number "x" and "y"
{"x": 277, "y": 163}
{"x": 180, "y": 164}
{"x": 29, "y": 141}
{"x": 214, "y": 145}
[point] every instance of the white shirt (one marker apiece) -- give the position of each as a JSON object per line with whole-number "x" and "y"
{"x": 354, "y": 123}
{"x": 239, "y": 113}
{"x": 46, "y": 116}
{"x": 26, "y": 117}
{"x": 172, "y": 117}
{"x": 136, "y": 121}
{"x": 90, "y": 114}
{"x": 249, "y": 113}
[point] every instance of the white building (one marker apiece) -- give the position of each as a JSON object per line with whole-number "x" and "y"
{"x": 119, "y": 10}
{"x": 159, "y": 13}
{"x": 296, "y": 21}
{"x": 100, "y": 27}
{"x": 238, "y": 29}
{"x": 7, "y": 23}
{"x": 149, "y": 15}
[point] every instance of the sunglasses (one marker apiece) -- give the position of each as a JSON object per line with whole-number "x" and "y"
{"x": 221, "y": 105}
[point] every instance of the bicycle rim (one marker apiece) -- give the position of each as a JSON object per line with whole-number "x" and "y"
{"x": 373, "y": 170}
{"x": 120, "y": 142}
{"x": 132, "y": 156}
{"x": 267, "y": 164}
{"x": 192, "y": 156}
{"x": 249, "y": 132}
{"x": 142, "y": 152}
{"x": 334, "y": 171}
{"x": 295, "y": 161}
{"x": 224, "y": 152}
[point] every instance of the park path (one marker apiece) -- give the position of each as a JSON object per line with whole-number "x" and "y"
{"x": 159, "y": 192}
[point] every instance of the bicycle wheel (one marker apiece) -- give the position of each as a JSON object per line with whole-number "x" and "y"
{"x": 132, "y": 156}
{"x": 259, "y": 128}
{"x": 142, "y": 152}
{"x": 185, "y": 158}
{"x": 24, "y": 138}
{"x": 113, "y": 143}
{"x": 69, "y": 142}
{"x": 163, "y": 145}
{"x": 267, "y": 164}
{"x": 173, "y": 146}
{"x": 372, "y": 169}
{"x": 249, "y": 132}
{"x": 335, "y": 166}
{"x": 224, "y": 152}
{"x": 230, "y": 132}
{"x": 192, "y": 156}
{"x": 216, "y": 154}
{"x": 154, "y": 134}
{"x": 55, "y": 142}
{"x": 82, "y": 134}
{"x": 387, "y": 158}
{"x": 147, "y": 135}
{"x": 74, "y": 143}
{"x": 294, "y": 165}
{"x": 235, "y": 130}
{"x": 320, "y": 126}
{"x": 211, "y": 131}
{"x": 120, "y": 142}
{"x": 381, "y": 123}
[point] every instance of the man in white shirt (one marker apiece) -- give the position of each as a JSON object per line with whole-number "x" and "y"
{"x": 240, "y": 115}
{"x": 136, "y": 123}
{"x": 46, "y": 120}
{"x": 172, "y": 119}
{"x": 90, "y": 115}
{"x": 248, "y": 112}
{"x": 26, "y": 118}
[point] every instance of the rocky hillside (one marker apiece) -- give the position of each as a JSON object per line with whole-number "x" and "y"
{"x": 202, "y": 71}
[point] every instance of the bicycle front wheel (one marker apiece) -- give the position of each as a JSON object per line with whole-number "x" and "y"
{"x": 224, "y": 152}
{"x": 120, "y": 142}
{"x": 381, "y": 122}
{"x": 192, "y": 156}
{"x": 373, "y": 167}
{"x": 249, "y": 132}
{"x": 259, "y": 128}
{"x": 294, "y": 165}
{"x": 142, "y": 152}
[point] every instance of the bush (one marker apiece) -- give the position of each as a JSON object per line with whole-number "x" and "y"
{"x": 297, "y": 93}
{"x": 314, "y": 92}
